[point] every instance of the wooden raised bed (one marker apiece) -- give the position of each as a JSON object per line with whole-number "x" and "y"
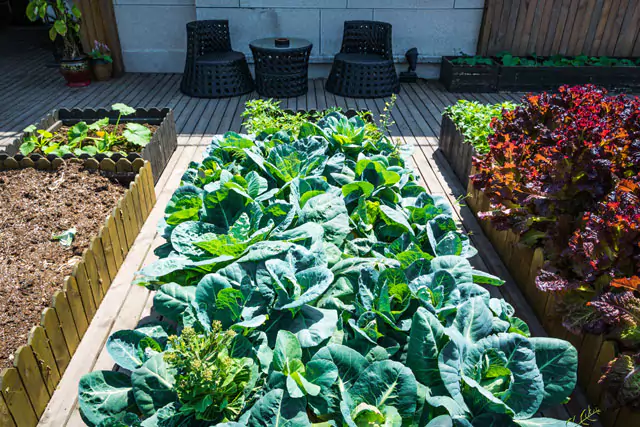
{"x": 594, "y": 351}
{"x": 620, "y": 77}
{"x": 466, "y": 78}
{"x": 485, "y": 78}
{"x": 158, "y": 151}
{"x": 524, "y": 263}
{"x": 523, "y": 79}
{"x": 25, "y": 388}
{"x": 457, "y": 152}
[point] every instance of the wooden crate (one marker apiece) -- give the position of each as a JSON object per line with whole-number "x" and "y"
{"x": 593, "y": 351}
{"x": 25, "y": 388}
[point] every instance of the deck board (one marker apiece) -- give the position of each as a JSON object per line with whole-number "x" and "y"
{"x": 30, "y": 90}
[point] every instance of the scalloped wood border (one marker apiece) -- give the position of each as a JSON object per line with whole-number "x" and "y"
{"x": 25, "y": 388}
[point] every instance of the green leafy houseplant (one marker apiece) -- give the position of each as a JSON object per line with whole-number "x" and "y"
{"x": 66, "y": 23}
{"x": 313, "y": 281}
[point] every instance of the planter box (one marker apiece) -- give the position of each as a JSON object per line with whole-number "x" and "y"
{"x": 40, "y": 365}
{"x": 594, "y": 351}
{"x": 524, "y": 79}
{"x": 617, "y": 77}
{"x": 465, "y": 78}
{"x": 457, "y": 152}
{"x": 158, "y": 151}
{"x": 484, "y": 78}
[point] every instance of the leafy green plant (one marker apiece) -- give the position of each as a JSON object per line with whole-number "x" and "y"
{"x": 564, "y": 61}
{"x": 621, "y": 381}
{"x": 509, "y": 60}
{"x": 94, "y": 138}
{"x": 34, "y": 139}
{"x": 347, "y": 288}
{"x": 66, "y": 22}
{"x": 266, "y": 116}
{"x": 474, "y": 119}
{"x": 472, "y": 61}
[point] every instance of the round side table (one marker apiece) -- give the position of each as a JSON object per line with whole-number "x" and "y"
{"x": 281, "y": 72}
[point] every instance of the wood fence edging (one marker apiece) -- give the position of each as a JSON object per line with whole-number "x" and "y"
{"x": 593, "y": 351}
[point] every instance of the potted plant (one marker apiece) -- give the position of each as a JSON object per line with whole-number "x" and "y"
{"x": 101, "y": 61}
{"x": 74, "y": 66}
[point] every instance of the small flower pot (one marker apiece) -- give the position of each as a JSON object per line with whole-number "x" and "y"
{"x": 102, "y": 70}
{"x": 76, "y": 71}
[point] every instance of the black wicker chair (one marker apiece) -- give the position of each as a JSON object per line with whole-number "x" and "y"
{"x": 212, "y": 69}
{"x": 364, "y": 67}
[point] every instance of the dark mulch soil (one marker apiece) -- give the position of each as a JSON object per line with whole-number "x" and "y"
{"x": 33, "y": 206}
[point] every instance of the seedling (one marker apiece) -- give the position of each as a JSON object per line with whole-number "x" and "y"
{"x": 34, "y": 138}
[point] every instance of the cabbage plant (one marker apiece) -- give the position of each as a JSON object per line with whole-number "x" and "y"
{"x": 312, "y": 281}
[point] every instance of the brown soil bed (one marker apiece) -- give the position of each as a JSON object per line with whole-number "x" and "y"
{"x": 34, "y": 205}
{"x": 61, "y": 136}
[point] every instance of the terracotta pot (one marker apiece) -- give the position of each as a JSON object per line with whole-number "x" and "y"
{"x": 102, "y": 69}
{"x": 76, "y": 71}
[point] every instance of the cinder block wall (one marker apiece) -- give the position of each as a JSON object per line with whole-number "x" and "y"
{"x": 153, "y": 39}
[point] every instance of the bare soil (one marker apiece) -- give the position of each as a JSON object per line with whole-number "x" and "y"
{"x": 34, "y": 205}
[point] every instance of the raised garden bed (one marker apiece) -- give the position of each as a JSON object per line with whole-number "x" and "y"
{"x": 593, "y": 351}
{"x": 40, "y": 199}
{"x": 468, "y": 78}
{"x": 465, "y": 128}
{"x": 565, "y": 212}
{"x": 536, "y": 74}
{"x": 287, "y": 300}
{"x": 457, "y": 152}
{"x": 519, "y": 78}
{"x": 157, "y": 151}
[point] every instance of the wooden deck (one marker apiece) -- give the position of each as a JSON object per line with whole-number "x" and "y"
{"x": 29, "y": 90}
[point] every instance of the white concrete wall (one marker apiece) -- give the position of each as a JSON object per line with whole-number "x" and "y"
{"x": 152, "y": 32}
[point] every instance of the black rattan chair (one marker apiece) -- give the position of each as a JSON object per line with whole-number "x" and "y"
{"x": 212, "y": 69}
{"x": 364, "y": 67}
